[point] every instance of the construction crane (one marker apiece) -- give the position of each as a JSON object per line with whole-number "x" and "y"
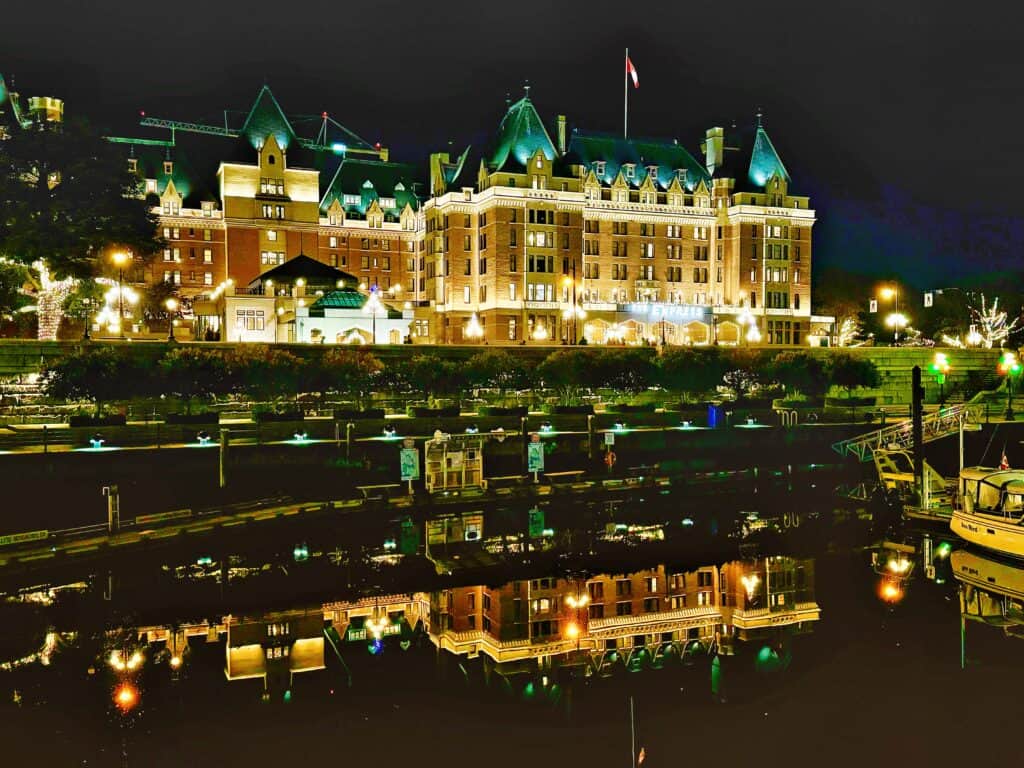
{"x": 354, "y": 146}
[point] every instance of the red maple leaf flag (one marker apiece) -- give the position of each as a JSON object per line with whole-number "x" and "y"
{"x": 1005, "y": 462}
{"x": 631, "y": 71}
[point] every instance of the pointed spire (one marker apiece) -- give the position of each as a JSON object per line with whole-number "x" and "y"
{"x": 759, "y": 116}
{"x": 526, "y": 89}
{"x": 265, "y": 118}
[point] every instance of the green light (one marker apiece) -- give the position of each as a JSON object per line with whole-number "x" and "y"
{"x": 287, "y": 696}
{"x": 943, "y": 549}
{"x": 338, "y": 148}
{"x": 1008, "y": 364}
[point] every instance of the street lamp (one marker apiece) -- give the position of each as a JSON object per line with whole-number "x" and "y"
{"x": 120, "y": 258}
{"x": 87, "y": 303}
{"x": 1009, "y": 366}
{"x": 576, "y": 602}
{"x": 372, "y": 305}
{"x": 892, "y": 293}
{"x": 172, "y": 307}
{"x": 940, "y": 367}
{"x": 896, "y": 321}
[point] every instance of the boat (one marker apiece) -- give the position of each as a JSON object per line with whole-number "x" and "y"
{"x": 989, "y": 509}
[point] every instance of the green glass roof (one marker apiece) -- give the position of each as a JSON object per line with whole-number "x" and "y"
{"x": 520, "y": 135}
{"x": 764, "y": 160}
{"x": 265, "y": 118}
{"x": 343, "y": 299}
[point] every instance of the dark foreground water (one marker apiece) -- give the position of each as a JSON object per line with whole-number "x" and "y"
{"x": 769, "y": 628}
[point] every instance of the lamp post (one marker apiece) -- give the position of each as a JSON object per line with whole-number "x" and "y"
{"x": 576, "y": 602}
{"x": 1009, "y": 366}
{"x": 87, "y": 303}
{"x": 120, "y": 259}
{"x": 172, "y": 307}
{"x": 892, "y": 292}
{"x": 372, "y": 304}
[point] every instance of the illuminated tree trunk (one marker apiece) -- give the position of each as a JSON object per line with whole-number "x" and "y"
{"x": 50, "y": 304}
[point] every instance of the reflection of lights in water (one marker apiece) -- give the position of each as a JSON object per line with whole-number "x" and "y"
{"x": 126, "y": 696}
{"x": 750, "y": 583}
{"x": 43, "y": 655}
{"x": 890, "y": 591}
{"x": 899, "y": 565}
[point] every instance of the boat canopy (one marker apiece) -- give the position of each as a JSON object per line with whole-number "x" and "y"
{"x": 985, "y": 486}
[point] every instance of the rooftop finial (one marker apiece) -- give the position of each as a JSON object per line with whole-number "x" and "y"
{"x": 508, "y": 100}
{"x": 526, "y": 89}
{"x": 759, "y": 116}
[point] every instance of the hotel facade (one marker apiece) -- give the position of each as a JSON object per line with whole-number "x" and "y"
{"x": 547, "y": 234}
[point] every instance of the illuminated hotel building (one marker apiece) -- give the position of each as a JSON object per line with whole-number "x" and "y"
{"x": 583, "y": 235}
{"x": 544, "y": 236}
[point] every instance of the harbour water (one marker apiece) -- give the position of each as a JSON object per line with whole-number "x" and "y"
{"x": 774, "y": 626}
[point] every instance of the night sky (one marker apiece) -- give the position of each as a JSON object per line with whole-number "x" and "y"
{"x": 901, "y": 119}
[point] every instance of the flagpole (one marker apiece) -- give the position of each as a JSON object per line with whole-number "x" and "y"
{"x": 625, "y": 97}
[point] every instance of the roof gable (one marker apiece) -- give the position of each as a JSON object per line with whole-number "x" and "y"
{"x": 520, "y": 135}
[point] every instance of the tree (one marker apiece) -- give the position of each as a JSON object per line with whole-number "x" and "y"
{"x": 850, "y": 372}
{"x": 153, "y": 304}
{"x": 691, "y": 371}
{"x": 99, "y": 374}
{"x": 85, "y": 300}
{"x": 799, "y": 372}
{"x": 625, "y": 370}
{"x": 263, "y": 372}
{"x": 436, "y": 377}
{"x": 568, "y": 372}
{"x": 347, "y": 372}
{"x": 190, "y": 373}
{"x": 68, "y": 197}
{"x": 744, "y": 372}
{"x": 13, "y": 278}
{"x": 496, "y": 369}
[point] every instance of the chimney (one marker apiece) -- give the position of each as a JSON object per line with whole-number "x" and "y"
{"x": 714, "y": 144}
{"x": 561, "y": 134}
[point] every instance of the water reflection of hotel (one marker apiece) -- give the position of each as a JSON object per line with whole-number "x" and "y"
{"x": 648, "y": 614}
{"x": 596, "y": 622}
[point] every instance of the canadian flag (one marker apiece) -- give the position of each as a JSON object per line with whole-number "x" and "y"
{"x": 631, "y": 71}
{"x": 1004, "y": 463}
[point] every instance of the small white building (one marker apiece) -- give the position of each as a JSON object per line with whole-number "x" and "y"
{"x": 302, "y": 300}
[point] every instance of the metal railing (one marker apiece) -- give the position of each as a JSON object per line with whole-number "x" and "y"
{"x": 900, "y": 436}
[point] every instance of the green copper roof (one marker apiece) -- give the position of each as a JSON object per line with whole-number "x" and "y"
{"x": 764, "y": 160}
{"x": 370, "y": 180}
{"x": 589, "y": 149}
{"x": 265, "y": 118}
{"x": 520, "y": 135}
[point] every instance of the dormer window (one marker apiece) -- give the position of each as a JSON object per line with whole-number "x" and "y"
{"x": 652, "y": 171}
{"x": 168, "y": 167}
{"x": 271, "y": 160}
{"x": 599, "y": 168}
{"x": 629, "y": 170}
{"x": 207, "y": 208}
{"x": 150, "y": 186}
{"x": 133, "y": 164}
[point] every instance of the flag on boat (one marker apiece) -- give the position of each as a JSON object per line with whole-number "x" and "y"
{"x": 1004, "y": 463}
{"x": 631, "y": 71}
